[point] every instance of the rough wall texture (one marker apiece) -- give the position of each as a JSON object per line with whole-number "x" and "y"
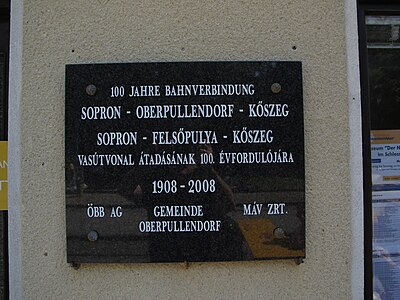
{"x": 59, "y": 32}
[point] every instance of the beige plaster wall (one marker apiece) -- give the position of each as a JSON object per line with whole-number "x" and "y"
{"x": 49, "y": 34}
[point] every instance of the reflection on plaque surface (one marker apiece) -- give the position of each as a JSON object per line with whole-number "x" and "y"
{"x": 173, "y": 162}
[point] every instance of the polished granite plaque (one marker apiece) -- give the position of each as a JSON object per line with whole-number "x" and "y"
{"x": 189, "y": 161}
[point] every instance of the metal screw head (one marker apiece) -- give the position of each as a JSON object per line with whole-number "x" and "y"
{"x": 93, "y": 236}
{"x": 279, "y": 233}
{"x": 276, "y": 88}
{"x": 91, "y": 89}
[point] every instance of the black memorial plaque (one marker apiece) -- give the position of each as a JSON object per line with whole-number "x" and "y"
{"x": 174, "y": 162}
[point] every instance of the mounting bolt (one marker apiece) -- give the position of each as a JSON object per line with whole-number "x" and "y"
{"x": 93, "y": 236}
{"x": 276, "y": 88}
{"x": 91, "y": 89}
{"x": 279, "y": 233}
